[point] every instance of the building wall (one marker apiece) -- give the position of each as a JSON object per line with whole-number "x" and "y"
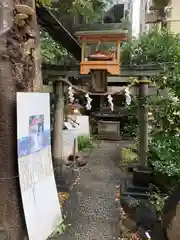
{"x": 143, "y": 10}
{"x": 174, "y": 16}
{"x": 145, "y": 5}
{"x": 120, "y": 11}
{"x": 129, "y": 5}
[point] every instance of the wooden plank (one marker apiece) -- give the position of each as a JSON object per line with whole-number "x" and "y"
{"x": 109, "y": 32}
{"x": 146, "y": 70}
{"x": 48, "y": 21}
{"x": 71, "y": 66}
{"x": 76, "y": 73}
{"x": 97, "y": 27}
{"x": 117, "y": 79}
{"x": 106, "y": 35}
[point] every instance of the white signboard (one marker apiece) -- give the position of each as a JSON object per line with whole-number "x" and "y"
{"x": 37, "y": 183}
{"x": 68, "y": 142}
{"x": 76, "y": 126}
{"x": 80, "y": 123}
{"x": 83, "y": 127}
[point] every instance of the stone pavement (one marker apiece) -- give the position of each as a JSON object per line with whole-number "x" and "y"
{"x": 91, "y": 209}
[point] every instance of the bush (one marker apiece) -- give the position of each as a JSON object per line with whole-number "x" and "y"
{"x": 165, "y": 155}
{"x": 128, "y": 155}
{"x": 157, "y": 199}
{"x": 84, "y": 142}
{"x": 131, "y": 125}
{"x": 161, "y": 48}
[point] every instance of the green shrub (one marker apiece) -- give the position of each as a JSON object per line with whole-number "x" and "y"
{"x": 161, "y": 48}
{"x": 157, "y": 199}
{"x": 128, "y": 155}
{"x": 84, "y": 142}
{"x": 165, "y": 155}
{"x": 130, "y": 122}
{"x": 134, "y": 146}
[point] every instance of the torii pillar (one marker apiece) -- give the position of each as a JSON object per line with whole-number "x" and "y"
{"x": 58, "y": 127}
{"x": 143, "y": 121}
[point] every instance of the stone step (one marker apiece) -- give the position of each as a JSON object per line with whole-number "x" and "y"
{"x": 134, "y": 188}
{"x": 128, "y": 189}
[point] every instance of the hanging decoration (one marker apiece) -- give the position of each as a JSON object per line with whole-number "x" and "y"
{"x": 124, "y": 90}
{"x": 128, "y": 96}
{"x": 110, "y": 100}
{"x": 89, "y": 100}
{"x": 79, "y": 89}
{"x": 71, "y": 94}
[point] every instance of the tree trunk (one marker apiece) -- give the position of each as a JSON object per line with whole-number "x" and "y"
{"x": 18, "y": 72}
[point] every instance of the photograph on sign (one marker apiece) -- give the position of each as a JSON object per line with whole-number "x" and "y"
{"x": 37, "y": 139}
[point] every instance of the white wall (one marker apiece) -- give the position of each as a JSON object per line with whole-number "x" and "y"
{"x": 136, "y": 18}
{"x": 174, "y": 16}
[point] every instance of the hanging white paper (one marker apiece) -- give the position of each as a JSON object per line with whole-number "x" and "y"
{"x": 89, "y": 100}
{"x": 128, "y": 96}
{"x": 71, "y": 94}
{"x": 110, "y": 100}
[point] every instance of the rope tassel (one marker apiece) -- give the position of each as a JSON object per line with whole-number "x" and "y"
{"x": 128, "y": 96}
{"x": 110, "y": 100}
{"x": 71, "y": 94}
{"x": 89, "y": 100}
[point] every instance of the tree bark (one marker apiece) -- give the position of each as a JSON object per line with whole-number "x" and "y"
{"x": 19, "y": 68}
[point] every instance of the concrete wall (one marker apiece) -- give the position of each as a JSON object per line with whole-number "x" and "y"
{"x": 174, "y": 16}
{"x": 143, "y": 12}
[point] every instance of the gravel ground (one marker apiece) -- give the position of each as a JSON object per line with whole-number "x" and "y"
{"x": 91, "y": 209}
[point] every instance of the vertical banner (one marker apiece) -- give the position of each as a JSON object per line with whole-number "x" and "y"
{"x": 38, "y": 189}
